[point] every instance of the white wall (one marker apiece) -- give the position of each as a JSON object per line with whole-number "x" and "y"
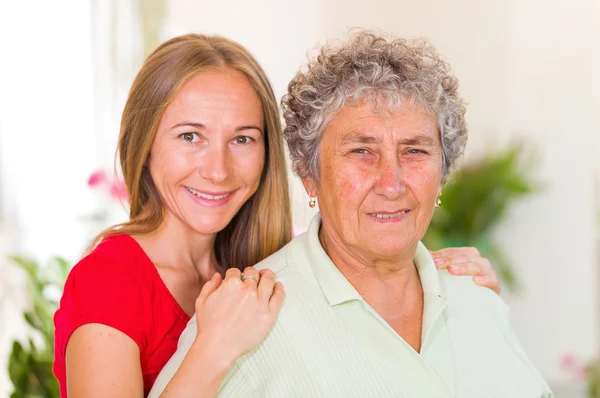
{"x": 554, "y": 83}
{"x": 527, "y": 69}
{"x": 47, "y": 128}
{"x": 46, "y": 144}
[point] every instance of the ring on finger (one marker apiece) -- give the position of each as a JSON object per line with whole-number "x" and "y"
{"x": 244, "y": 277}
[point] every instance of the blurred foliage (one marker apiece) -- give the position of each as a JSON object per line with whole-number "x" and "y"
{"x": 475, "y": 200}
{"x": 592, "y": 372}
{"x": 30, "y": 364}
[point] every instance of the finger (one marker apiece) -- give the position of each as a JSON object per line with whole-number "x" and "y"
{"x": 470, "y": 268}
{"x": 249, "y": 273}
{"x": 487, "y": 282}
{"x": 210, "y": 286}
{"x": 473, "y": 266}
{"x": 445, "y": 252}
{"x": 486, "y": 269}
{"x": 233, "y": 273}
{"x": 276, "y": 300}
{"x": 457, "y": 259}
{"x": 450, "y": 251}
{"x": 266, "y": 285}
{"x": 266, "y": 271}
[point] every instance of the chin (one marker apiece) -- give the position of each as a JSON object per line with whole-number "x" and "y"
{"x": 209, "y": 226}
{"x": 393, "y": 248}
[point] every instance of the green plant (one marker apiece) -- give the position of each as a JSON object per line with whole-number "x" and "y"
{"x": 475, "y": 201}
{"x": 30, "y": 364}
{"x": 592, "y": 372}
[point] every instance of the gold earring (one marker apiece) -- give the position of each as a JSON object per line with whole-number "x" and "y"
{"x": 312, "y": 203}
{"x": 438, "y": 202}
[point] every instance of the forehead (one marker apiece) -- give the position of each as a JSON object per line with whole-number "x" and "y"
{"x": 224, "y": 92}
{"x": 365, "y": 119}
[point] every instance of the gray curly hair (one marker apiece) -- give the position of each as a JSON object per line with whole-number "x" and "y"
{"x": 371, "y": 66}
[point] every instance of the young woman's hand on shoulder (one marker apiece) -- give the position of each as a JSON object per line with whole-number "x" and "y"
{"x": 237, "y": 313}
{"x": 233, "y": 315}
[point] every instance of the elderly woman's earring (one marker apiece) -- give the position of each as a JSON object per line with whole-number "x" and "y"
{"x": 312, "y": 203}
{"x": 438, "y": 202}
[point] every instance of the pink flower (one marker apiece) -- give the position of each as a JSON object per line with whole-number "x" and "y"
{"x": 580, "y": 373}
{"x": 96, "y": 178}
{"x": 118, "y": 189}
{"x": 567, "y": 360}
{"x": 114, "y": 186}
{"x": 570, "y": 363}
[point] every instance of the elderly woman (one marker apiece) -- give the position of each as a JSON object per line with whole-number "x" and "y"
{"x": 373, "y": 128}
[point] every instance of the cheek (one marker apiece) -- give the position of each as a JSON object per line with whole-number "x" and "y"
{"x": 424, "y": 182}
{"x": 168, "y": 164}
{"x": 351, "y": 184}
{"x": 249, "y": 168}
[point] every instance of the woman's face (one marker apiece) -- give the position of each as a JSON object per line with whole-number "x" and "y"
{"x": 380, "y": 175}
{"x": 209, "y": 151}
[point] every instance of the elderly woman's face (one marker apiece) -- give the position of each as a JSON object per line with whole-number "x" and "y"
{"x": 380, "y": 175}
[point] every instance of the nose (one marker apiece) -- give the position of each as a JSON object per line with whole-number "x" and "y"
{"x": 391, "y": 183}
{"x": 215, "y": 165}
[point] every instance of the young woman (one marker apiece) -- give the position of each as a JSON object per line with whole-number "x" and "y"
{"x": 202, "y": 155}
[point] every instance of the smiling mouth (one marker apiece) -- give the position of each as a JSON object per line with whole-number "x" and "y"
{"x": 384, "y": 216}
{"x": 207, "y": 196}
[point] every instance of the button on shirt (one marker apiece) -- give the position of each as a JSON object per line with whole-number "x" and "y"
{"x": 328, "y": 342}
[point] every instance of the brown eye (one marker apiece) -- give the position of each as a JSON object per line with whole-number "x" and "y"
{"x": 243, "y": 139}
{"x": 188, "y": 137}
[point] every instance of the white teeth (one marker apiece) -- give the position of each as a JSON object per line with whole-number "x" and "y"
{"x": 206, "y": 196}
{"x": 389, "y": 215}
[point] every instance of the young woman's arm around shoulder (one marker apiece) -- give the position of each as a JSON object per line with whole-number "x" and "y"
{"x": 232, "y": 317}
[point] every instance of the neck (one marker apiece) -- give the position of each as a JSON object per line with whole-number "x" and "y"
{"x": 175, "y": 245}
{"x": 387, "y": 284}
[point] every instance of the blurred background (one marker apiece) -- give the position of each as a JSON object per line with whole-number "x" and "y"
{"x": 528, "y": 195}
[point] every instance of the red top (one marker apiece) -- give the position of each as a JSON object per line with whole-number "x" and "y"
{"x": 117, "y": 285}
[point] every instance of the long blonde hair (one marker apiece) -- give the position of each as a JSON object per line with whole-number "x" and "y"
{"x": 263, "y": 224}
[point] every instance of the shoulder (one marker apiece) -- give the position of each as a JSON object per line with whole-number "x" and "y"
{"x": 463, "y": 292}
{"x": 114, "y": 281}
{"x": 279, "y": 261}
{"x": 116, "y": 249}
{"x": 116, "y": 258}
{"x": 111, "y": 286}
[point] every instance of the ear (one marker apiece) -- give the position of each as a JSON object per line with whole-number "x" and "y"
{"x": 310, "y": 186}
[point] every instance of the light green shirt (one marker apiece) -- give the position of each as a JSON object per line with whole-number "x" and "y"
{"x": 328, "y": 342}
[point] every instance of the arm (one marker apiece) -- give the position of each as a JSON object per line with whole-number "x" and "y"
{"x": 198, "y": 374}
{"x": 100, "y": 330}
{"x": 92, "y": 367}
{"x": 467, "y": 261}
{"x": 233, "y": 317}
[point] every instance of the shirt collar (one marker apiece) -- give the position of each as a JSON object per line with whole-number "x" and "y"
{"x": 337, "y": 289}
{"x": 428, "y": 272}
{"x": 333, "y": 283}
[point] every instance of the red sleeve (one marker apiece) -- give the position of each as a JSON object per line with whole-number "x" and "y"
{"x": 105, "y": 289}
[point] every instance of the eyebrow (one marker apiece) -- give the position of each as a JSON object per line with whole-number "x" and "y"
{"x": 361, "y": 138}
{"x": 200, "y": 126}
{"x": 418, "y": 140}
